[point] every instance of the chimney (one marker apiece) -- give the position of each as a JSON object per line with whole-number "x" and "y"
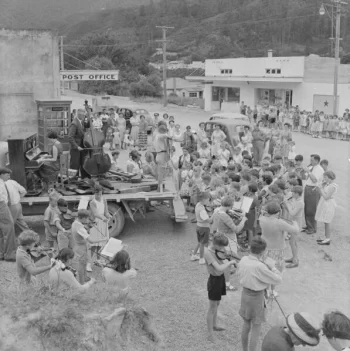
{"x": 270, "y": 53}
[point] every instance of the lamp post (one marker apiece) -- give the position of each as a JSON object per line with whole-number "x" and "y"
{"x": 337, "y": 5}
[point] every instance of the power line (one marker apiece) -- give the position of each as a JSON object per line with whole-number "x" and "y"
{"x": 86, "y": 63}
{"x": 67, "y": 63}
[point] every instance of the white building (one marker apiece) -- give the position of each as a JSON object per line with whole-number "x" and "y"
{"x": 183, "y": 88}
{"x": 303, "y": 81}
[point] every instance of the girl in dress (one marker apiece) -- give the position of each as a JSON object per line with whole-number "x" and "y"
{"x": 134, "y": 135}
{"x": 177, "y": 140}
{"x": 174, "y": 164}
{"x": 343, "y": 131}
{"x": 202, "y": 136}
{"x": 186, "y": 177}
{"x": 325, "y": 132}
{"x": 127, "y": 141}
{"x": 336, "y": 127}
{"x": 51, "y": 167}
{"x": 292, "y": 153}
{"x": 224, "y": 154}
{"x": 121, "y": 123}
{"x": 109, "y": 138}
{"x": 116, "y": 139}
{"x": 326, "y": 206}
{"x": 217, "y": 138}
{"x": 99, "y": 211}
{"x": 142, "y": 137}
{"x": 237, "y": 155}
{"x": 204, "y": 152}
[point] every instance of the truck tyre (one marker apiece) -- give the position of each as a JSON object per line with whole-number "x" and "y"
{"x": 116, "y": 224}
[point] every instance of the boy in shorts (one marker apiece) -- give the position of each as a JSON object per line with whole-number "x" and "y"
{"x": 50, "y": 216}
{"x": 214, "y": 257}
{"x": 64, "y": 223}
{"x": 203, "y": 226}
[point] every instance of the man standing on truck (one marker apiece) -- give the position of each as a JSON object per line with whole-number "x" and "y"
{"x": 76, "y": 140}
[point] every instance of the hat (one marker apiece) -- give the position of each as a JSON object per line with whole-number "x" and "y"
{"x": 304, "y": 327}
{"x": 62, "y": 203}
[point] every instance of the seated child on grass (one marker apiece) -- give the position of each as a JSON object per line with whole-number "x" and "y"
{"x": 24, "y": 260}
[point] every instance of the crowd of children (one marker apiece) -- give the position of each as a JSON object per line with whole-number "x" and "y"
{"x": 216, "y": 181}
{"x": 317, "y": 124}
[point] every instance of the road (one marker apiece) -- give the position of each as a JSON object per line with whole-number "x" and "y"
{"x": 173, "y": 289}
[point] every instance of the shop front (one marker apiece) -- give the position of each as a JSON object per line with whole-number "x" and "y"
{"x": 274, "y": 97}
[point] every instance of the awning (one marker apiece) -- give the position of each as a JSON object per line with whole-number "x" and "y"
{"x": 211, "y": 79}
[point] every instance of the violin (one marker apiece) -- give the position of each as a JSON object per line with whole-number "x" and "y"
{"x": 68, "y": 268}
{"x": 39, "y": 252}
{"x": 98, "y": 163}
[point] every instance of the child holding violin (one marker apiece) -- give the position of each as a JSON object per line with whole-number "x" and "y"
{"x": 81, "y": 239}
{"x": 25, "y": 258}
{"x": 62, "y": 272}
{"x": 64, "y": 223}
{"x": 119, "y": 272}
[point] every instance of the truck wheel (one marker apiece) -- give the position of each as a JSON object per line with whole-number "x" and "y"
{"x": 116, "y": 224}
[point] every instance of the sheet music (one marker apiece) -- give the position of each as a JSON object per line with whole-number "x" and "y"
{"x": 243, "y": 205}
{"x": 112, "y": 247}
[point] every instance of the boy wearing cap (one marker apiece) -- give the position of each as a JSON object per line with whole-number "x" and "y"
{"x": 302, "y": 329}
{"x": 64, "y": 223}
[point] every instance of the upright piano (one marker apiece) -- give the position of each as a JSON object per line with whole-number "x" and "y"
{"x": 23, "y": 158}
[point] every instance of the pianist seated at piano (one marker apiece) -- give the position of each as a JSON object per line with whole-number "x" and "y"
{"x": 48, "y": 172}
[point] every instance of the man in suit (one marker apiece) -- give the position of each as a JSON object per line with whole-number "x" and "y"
{"x": 76, "y": 140}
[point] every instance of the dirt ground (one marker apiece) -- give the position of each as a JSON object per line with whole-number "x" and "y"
{"x": 173, "y": 289}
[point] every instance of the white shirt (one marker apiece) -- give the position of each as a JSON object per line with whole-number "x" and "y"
{"x": 16, "y": 191}
{"x": 317, "y": 171}
{"x": 3, "y": 192}
{"x": 118, "y": 280}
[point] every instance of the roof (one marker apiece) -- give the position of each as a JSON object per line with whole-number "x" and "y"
{"x": 180, "y": 83}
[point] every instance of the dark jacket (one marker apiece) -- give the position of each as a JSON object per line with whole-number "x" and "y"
{"x": 76, "y": 134}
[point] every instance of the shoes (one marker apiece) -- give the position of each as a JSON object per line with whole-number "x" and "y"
{"x": 324, "y": 242}
{"x": 201, "y": 261}
{"x": 195, "y": 257}
{"x": 304, "y": 229}
{"x": 293, "y": 264}
{"x": 289, "y": 260}
{"x": 88, "y": 267}
{"x": 310, "y": 232}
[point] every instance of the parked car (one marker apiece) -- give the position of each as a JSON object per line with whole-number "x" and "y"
{"x": 222, "y": 115}
{"x": 231, "y": 127}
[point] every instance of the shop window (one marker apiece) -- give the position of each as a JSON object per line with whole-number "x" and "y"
{"x": 226, "y": 71}
{"x": 233, "y": 94}
{"x": 193, "y": 95}
{"x": 273, "y": 71}
{"x": 268, "y": 71}
{"x": 278, "y": 71}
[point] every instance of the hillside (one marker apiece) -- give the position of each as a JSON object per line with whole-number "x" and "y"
{"x": 218, "y": 28}
{"x": 49, "y": 14}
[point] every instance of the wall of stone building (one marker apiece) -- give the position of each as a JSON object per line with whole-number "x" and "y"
{"x": 29, "y": 70}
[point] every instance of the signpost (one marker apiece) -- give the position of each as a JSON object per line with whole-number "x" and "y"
{"x": 83, "y": 75}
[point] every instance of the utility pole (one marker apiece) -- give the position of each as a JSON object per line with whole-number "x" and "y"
{"x": 164, "y": 41}
{"x": 62, "y": 60}
{"x": 336, "y": 57}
